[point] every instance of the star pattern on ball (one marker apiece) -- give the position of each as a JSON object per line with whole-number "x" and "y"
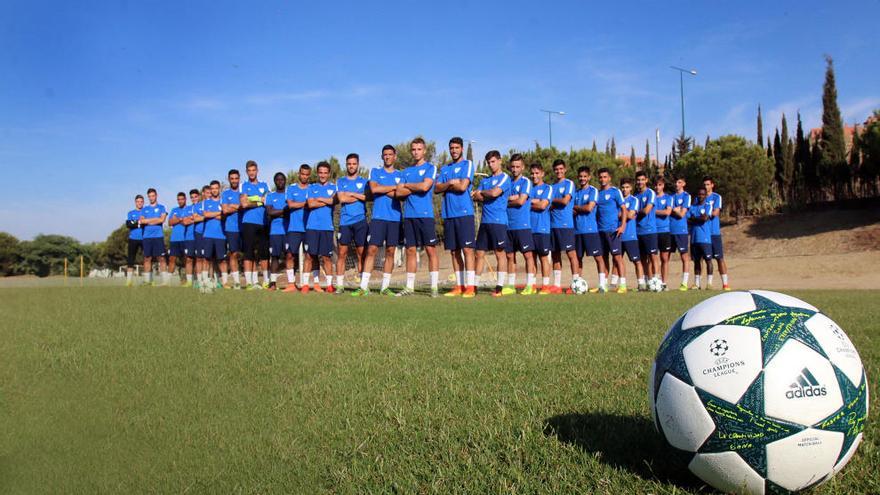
{"x": 718, "y": 347}
{"x": 849, "y": 419}
{"x": 777, "y": 324}
{"x": 668, "y": 356}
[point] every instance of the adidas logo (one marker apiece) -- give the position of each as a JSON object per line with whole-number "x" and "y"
{"x": 805, "y": 385}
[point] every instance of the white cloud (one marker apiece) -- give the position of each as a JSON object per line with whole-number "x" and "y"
{"x": 859, "y": 110}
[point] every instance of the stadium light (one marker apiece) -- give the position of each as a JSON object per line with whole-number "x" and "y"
{"x": 550, "y": 121}
{"x": 681, "y": 73}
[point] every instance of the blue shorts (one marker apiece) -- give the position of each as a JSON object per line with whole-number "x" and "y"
{"x": 702, "y": 251}
{"x": 519, "y": 241}
{"x": 233, "y": 242}
{"x": 588, "y": 244}
{"x": 610, "y": 243}
{"x": 664, "y": 242}
{"x": 717, "y": 247}
{"x": 459, "y": 233}
{"x": 648, "y": 244}
{"x": 154, "y": 247}
{"x": 189, "y": 248}
{"x": 294, "y": 241}
{"x": 384, "y": 232}
{"x": 542, "y": 244}
{"x": 491, "y": 236}
{"x": 200, "y": 245}
{"x": 680, "y": 243}
{"x": 177, "y": 249}
{"x": 562, "y": 239}
{"x": 319, "y": 242}
{"x": 632, "y": 250}
{"x": 418, "y": 232}
{"x": 277, "y": 246}
{"x": 356, "y": 232}
{"x": 213, "y": 249}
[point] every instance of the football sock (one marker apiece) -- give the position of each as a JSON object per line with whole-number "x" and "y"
{"x": 530, "y": 280}
{"x": 511, "y": 279}
{"x": 247, "y": 278}
{"x": 411, "y": 281}
{"x": 621, "y": 282}
{"x": 502, "y": 276}
{"x": 189, "y": 277}
{"x": 435, "y": 279}
{"x": 477, "y": 279}
{"x": 641, "y": 281}
{"x": 305, "y": 278}
{"x": 697, "y": 280}
{"x": 459, "y": 278}
{"x": 316, "y": 274}
{"x": 545, "y": 281}
{"x": 365, "y": 280}
{"x": 273, "y": 277}
{"x": 471, "y": 278}
{"x": 386, "y": 280}
{"x": 265, "y": 276}
{"x": 235, "y": 278}
{"x": 615, "y": 279}
{"x": 684, "y": 278}
{"x": 224, "y": 278}
{"x": 340, "y": 280}
{"x": 328, "y": 279}
{"x": 557, "y": 278}
{"x": 709, "y": 279}
{"x": 724, "y": 278}
{"x": 602, "y": 280}
{"x": 129, "y": 276}
{"x": 290, "y": 276}
{"x": 166, "y": 278}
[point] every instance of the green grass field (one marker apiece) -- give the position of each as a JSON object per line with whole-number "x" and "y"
{"x": 167, "y": 390}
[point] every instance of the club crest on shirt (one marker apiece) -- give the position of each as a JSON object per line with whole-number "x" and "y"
{"x": 359, "y": 185}
{"x": 261, "y": 190}
{"x": 329, "y": 191}
{"x": 456, "y": 169}
{"x": 397, "y": 180}
{"x": 421, "y": 172}
{"x": 607, "y": 196}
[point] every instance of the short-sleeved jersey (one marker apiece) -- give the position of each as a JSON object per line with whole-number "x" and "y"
{"x": 679, "y": 226}
{"x": 419, "y": 204}
{"x": 495, "y": 209}
{"x": 352, "y": 213}
{"x": 213, "y": 226}
{"x": 278, "y": 201}
{"x": 714, "y": 200}
{"x": 321, "y": 218}
{"x": 519, "y": 217}
{"x": 585, "y": 223}
{"x": 232, "y": 221}
{"x": 255, "y": 215}
{"x": 701, "y": 231}
{"x": 540, "y": 220}
{"x": 199, "y": 209}
{"x": 384, "y": 206}
{"x": 629, "y": 234}
{"x": 457, "y": 204}
{"x": 561, "y": 217}
{"x": 189, "y": 230}
{"x": 299, "y": 216}
{"x": 153, "y": 211}
{"x": 661, "y": 222}
{"x": 178, "y": 230}
{"x": 137, "y": 233}
{"x": 608, "y": 209}
{"x": 645, "y": 223}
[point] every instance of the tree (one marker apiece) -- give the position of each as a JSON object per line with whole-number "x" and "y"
{"x": 777, "y": 162}
{"x": 869, "y": 144}
{"x": 760, "y": 128}
{"x": 613, "y": 148}
{"x": 45, "y": 255}
{"x": 632, "y": 157}
{"x": 10, "y": 254}
{"x": 706, "y": 143}
{"x": 741, "y": 170}
{"x": 113, "y": 252}
{"x": 646, "y": 164}
{"x": 806, "y": 178}
{"x": 681, "y": 146}
{"x": 607, "y": 149}
{"x": 832, "y": 142}
{"x": 769, "y": 148}
{"x": 787, "y": 162}
{"x": 470, "y": 153}
{"x": 593, "y": 149}
{"x": 855, "y": 158}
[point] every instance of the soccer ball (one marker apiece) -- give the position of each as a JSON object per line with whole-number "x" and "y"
{"x": 579, "y": 286}
{"x": 762, "y": 392}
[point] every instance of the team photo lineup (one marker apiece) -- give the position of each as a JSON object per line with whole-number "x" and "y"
{"x": 547, "y": 222}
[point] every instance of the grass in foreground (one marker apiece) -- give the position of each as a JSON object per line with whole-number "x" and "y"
{"x": 167, "y": 390}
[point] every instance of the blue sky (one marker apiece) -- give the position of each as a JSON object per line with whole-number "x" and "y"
{"x": 100, "y": 100}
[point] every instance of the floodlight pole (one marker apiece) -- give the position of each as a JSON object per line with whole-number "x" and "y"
{"x": 550, "y": 122}
{"x": 681, "y": 73}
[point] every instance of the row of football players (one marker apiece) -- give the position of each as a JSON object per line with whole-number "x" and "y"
{"x": 545, "y": 223}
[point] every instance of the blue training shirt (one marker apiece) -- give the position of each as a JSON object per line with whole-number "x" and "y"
{"x": 457, "y": 204}
{"x": 321, "y": 218}
{"x": 199, "y": 209}
{"x": 153, "y": 211}
{"x": 701, "y": 232}
{"x": 384, "y": 206}
{"x": 255, "y": 215}
{"x": 585, "y": 223}
{"x": 519, "y": 217}
{"x": 629, "y": 233}
{"x": 419, "y": 205}
{"x": 495, "y": 209}
{"x": 352, "y": 213}
{"x": 645, "y": 223}
{"x": 178, "y": 231}
{"x": 661, "y": 222}
{"x": 540, "y": 220}
{"x": 298, "y": 216}
{"x": 189, "y": 234}
{"x": 679, "y": 226}
{"x": 714, "y": 200}
{"x": 608, "y": 209}
{"x": 278, "y": 201}
{"x": 137, "y": 233}
{"x": 213, "y": 226}
{"x": 231, "y": 197}
{"x": 562, "y": 217}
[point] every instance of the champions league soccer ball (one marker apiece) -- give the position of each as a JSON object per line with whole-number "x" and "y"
{"x": 579, "y": 286}
{"x": 761, "y": 390}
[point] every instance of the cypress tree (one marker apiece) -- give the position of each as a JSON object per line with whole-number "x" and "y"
{"x": 832, "y": 143}
{"x": 769, "y": 148}
{"x": 760, "y": 128}
{"x": 801, "y": 157}
{"x": 607, "y": 149}
{"x": 706, "y": 145}
{"x": 855, "y": 156}
{"x": 594, "y": 146}
{"x": 632, "y": 157}
{"x": 613, "y": 148}
{"x": 647, "y": 163}
{"x": 787, "y": 161}
{"x": 470, "y": 153}
{"x": 779, "y": 173}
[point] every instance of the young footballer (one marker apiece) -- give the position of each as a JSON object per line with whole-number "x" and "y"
{"x": 457, "y": 210}
{"x": 176, "y": 250}
{"x": 231, "y": 202}
{"x": 297, "y": 197}
{"x": 214, "y": 239}
{"x": 254, "y": 237}
{"x": 678, "y": 228}
{"x": 700, "y": 219}
{"x": 519, "y": 226}
{"x": 417, "y": 189}
{"x": 646, "y": 230}
{"x": 198, "y": 216}
{"x": 152, "y": 218}
{"x": 562, "y": 226}
{"x": 539, "y": 219}
{"x": 585, "y": 227}
{"x": 276, "y": 210}
{"x": 319, "y": 226}
{"x": 713, "y": 199}
{"x": 662, "y": 210}
{"x": 492, "y": 235}
{"x": 351, "y": 193}
{"x": 611, "y": 218}
{"x": 189, "y": 236}
{"x": 135, "y": 237}
{"x": 629, "y": 239}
